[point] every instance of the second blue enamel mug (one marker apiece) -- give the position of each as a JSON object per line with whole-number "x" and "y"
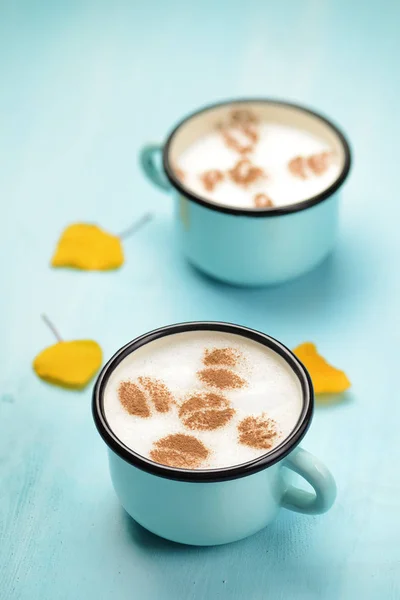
{"x": 215, "y": 506}
{"x": 251, "y": 246}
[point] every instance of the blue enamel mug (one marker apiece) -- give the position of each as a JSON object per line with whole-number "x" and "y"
{"x": 215, "y": 506}
{"x": 250, "y": 246}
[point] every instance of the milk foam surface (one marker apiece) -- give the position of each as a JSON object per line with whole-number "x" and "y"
{"x": 273, "y": 389}
{"x": 277, "y": 145}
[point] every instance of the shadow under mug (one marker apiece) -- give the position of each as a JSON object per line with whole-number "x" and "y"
{"x": 215, "y": 506}
{"x": 250, "y": 246}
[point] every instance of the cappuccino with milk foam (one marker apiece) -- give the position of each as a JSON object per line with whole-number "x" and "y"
{"x": 202, "y": 400}
{"x": 253, "y": 164}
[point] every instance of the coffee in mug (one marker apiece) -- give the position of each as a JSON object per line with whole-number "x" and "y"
{"x": 246, "y": 162}
{"x": 203, "y": 423}
{"x": 202, "y": 399}
{"x": 256, "y": 185}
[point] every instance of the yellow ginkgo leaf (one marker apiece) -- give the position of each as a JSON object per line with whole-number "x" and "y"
{"x": 326, "y": 379}
{"x": 68, "y": 364}
{"x": 88, "y": 247}
{"x": 91, "y": 248}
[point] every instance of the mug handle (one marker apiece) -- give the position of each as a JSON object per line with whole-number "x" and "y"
{"x": 308, "y": 466}
{"x": 150, "y": 167}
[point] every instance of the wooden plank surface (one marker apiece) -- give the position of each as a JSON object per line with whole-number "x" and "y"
{"x": 83, "y": 86}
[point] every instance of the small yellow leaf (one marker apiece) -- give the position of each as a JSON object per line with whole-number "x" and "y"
{"x": 69, "y": 364}
{"x": 326, "y": 379}
{"x": 88, "y": 247}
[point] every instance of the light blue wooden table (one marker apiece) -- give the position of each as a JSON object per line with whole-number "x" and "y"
{"x": 82, "y": 86}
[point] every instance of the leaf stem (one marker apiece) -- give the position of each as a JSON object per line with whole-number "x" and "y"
{"x": 52, "y": 328}
{"x": 136, "y": 225}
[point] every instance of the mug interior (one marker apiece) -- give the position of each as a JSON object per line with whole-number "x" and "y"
{"x": 277, "y": 112}
{"x": 216, "y": 474}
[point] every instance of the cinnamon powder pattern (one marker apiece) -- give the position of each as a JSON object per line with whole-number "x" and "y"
{"x": 180, "y": 173}
{"x": 263, "y": 201}
{"x": 211, "y": 178}
{"x": 241, "y": 139}
{"x": 140, "y": 397}
{"x": 179, "y": 450}
{"x": 319, "y": 163}
{"x": 221, "y": 356}
{"x": 257, "y": 432}
{"x": 239, "y": 132}
{"x": 242, "y": 116}
{"x": 297, "y": 167}
{"x": 133, "y": 399}
{"x": 244, "y": 173}
{"x": 315, "y": 164}
{"x": 222, "y": 379}
{"x": 206, "y": 411}
{"x": 158, "y": 393}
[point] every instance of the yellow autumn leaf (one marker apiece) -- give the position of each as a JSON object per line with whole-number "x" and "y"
{"x": 88, "y": 247}
{"x": 69, "y": 364}
{"x": 326, "y": 379}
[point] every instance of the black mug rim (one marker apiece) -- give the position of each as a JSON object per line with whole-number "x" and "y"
{"x": 261, "y": 212}
{"x": 204, "y": 475}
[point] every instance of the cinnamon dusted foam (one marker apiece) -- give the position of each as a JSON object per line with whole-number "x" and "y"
{"x": 258, "y": 432}
{"x": 206, "y": 411}
{"x": 217, "y": 357}
{"x": 239, "y": 132}
{"x": 237, "y": 140}
{"x": 263, "y": 201}
{"x": 247, "y": 162}
{"x": 202, "y": 400}
{"x": 140, "y": 397}
{"x": 179, "y": 450}
{"x": 319, "y": 163}
{"x": 245, "y": 173}
{"x": 158, "y": 393}
{"x": 308, "y": 166}
{"x": 180, "y": 173}
{"x": 211, "y": 178}
{"x": 133, "y": 399}
{"x": 222, "y": 379}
